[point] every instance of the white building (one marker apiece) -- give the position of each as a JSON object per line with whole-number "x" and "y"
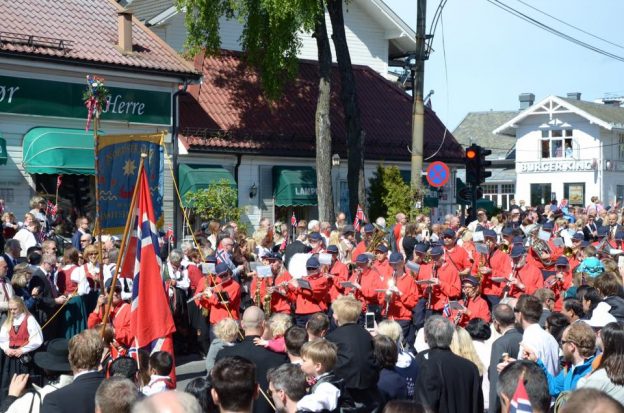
{"x": 568, "y": 148}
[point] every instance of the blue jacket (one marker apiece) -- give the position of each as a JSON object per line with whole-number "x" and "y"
{"x": 567, "y": 378}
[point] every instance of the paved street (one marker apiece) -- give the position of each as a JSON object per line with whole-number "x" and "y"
{"x": 187, "y": 368}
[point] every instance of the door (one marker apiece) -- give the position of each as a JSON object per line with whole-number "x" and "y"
{"x": 540, "y": 194}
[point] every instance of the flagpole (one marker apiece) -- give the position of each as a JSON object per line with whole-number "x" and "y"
{"x": 57, "y": 189}
{"x": 98, "y": 223}
{"x": 122, "y": 247}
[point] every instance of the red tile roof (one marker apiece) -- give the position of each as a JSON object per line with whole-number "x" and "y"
{"x": 88, "y": 29}
{"x": 227, "y": 113}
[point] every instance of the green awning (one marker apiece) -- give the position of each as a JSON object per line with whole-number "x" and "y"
{"x": 194, "y": 177}
{"x": 294, "y": 185}
{"x": 58, "y": 151}
{"x": 4, "y": 156}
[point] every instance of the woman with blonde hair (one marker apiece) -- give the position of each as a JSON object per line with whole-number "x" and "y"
{"x": 22, "y": 273}
{"x": 73, "y": 286}
{"x": 20, "y": 335}
{"x": 87, "y": 277}
{"x": 463, "y": 346}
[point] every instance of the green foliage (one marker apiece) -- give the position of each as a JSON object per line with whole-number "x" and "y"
{"x": 219, "y": 201}
{"x": 388, "y": 194}
{"x": 270, "y": 33}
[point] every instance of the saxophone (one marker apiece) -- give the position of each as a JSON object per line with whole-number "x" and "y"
{"x": 257, "y": 297}
{"x": 267, "y": 303}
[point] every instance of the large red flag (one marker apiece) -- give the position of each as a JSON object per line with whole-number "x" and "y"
{"x": 151, "y": 322}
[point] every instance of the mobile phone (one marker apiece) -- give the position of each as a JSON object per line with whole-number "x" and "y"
{"x": 369, "y": 321}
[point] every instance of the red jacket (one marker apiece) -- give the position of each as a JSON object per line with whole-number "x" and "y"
{"x": 448, "y": 289}
{"x": 383, "y": 269}
{"x": 500, "y": 263}
{"x": 340, "y": 273}
{"x": 459, "y": 256}
{"x": 219, "y": 310}
{"x": 401, "y": 305}
{"x": 120, "y": 317}
{"x": 195, "y": 275}
{"x": 559, "y": 287}
{"x": 279, "y": 302}
{"x": 531, "y": 277}
{"x": 477, "y": 308}
{"x": 359, "y": 249}
{"x": 314, "y": 300}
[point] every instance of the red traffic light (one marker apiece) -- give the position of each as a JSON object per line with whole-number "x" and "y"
{"x": 471, "y": 153}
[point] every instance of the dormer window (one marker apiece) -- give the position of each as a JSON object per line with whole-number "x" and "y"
{"x": 557, "y": 144}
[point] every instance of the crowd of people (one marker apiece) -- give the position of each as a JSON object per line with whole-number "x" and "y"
{"x": 400, "y": 315}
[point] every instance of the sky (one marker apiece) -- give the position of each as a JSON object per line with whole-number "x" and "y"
{"x": 483, "y": 57}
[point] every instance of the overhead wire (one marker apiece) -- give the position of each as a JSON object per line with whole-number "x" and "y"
{"x": 553, "y": 31}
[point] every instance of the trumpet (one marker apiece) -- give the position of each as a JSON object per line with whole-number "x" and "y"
{"x": 427, "y": 258}
{"x": 504, "y": 248}
{"x": 569, "y": 252}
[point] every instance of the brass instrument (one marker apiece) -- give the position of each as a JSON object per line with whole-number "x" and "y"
{"x": 266, "y": 304}
{"x": 514, "y": 274}
{"x": 429, "y": 291}
{"x": 569, "y": 252}
{"x": 504, "y": 248}
{"x": 541, "y": 247}
{"x": 460, "y": 313}
{"x": 427, "y": 258}
{"x": 378, "y": 238}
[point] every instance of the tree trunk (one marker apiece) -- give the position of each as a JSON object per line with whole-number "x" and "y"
{"x": 355, "y": 135}
{"x": 322, "y": 121}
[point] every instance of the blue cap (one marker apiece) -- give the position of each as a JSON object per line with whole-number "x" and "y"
{"x": 507, "y": 231}
{"x": 395, "y": 258}
{"x": 562, "y": 261}
{"x": 272, "y": 256}
{"x": 362, "y": 259}
{"x": 436, "y": 251}
{"x": 584, "y": 244}
{"x": 107, "y": 284}
{"x": 578, "y": 236}
{"x": 517, "y": 240}
{"x": 420, "y": 248}
{"x": 211, "y": 259}
{"x": 221, "y": 269}
{"x": 548, "y": 226}
{"x": 369, "y": 228}
{"x": 517, "y": 251}
{"x": 469, "y": 279}
{"x": 313, "y": 263}
{"x": 603, "y": 231}
{"x": 332, "y": 249}
{"x": 382, "y": 248}
{"x": 489, "y": 233}
{"x": 619, "y": 236}
{"x": 315, "y": 236}
{"x": 448, "y": 233}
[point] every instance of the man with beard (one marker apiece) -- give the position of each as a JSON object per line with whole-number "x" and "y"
{"x": 578, "y": 344}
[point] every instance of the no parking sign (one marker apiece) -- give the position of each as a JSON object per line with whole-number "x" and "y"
{"x": 438, "y": 174}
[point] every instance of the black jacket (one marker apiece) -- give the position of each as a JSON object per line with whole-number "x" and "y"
{"x": 356, "y": 360}
{"x": 76, "y": 397}
{"x": 263, "y": 359}
{"x": 448, "y": 383}
{"x": 507, "y": 343}
{"x": 617, "y": 307}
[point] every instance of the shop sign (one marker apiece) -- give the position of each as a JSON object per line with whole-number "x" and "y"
{"x": 303, "y": 191}
{"x": 63, "y": 99}
{"x": 555, "y": 166}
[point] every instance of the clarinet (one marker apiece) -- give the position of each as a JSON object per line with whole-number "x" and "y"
{"x": 514, "y": 273}
{"x": 460, "y": 313}
{"x": 389, "y": 293}
{"x": 430, "y": 288}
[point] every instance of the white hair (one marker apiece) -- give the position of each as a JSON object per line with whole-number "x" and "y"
{"x": 381, "y": 221}
{"x": 312, "y": 224}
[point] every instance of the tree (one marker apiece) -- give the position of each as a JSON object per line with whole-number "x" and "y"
{"x": 348, "y": 95}
{"x": 270, "y": 39}
{"x": 218, "y": 201}
{"x": 389, "y": 194}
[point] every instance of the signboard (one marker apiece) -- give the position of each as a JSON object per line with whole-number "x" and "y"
{"x": 438, "y": 174}
{"x": 555, "y": 166}
{"x": 63, "y": 99}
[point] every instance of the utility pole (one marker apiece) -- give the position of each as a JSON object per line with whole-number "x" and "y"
{"x": 418, "y": 108}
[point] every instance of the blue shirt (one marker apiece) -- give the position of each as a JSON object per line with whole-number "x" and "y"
{"x": 567, "y": 378}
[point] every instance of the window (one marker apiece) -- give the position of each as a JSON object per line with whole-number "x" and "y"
{"x": 489, "y": 189}
{"x": 621, "y": 146}
{"x": 557, "y": 143}
{"x": 508, "y": 188}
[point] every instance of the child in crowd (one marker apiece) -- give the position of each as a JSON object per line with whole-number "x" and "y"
{"x": 160, "y": 365}
{"x": 278, "y": 324}
{"x": 319, "y": 358}
{"x": 226, "y": 332}
{"x": 317, "y": 326}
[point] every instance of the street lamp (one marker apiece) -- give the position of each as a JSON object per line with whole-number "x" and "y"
{"x": 335, "y": 160}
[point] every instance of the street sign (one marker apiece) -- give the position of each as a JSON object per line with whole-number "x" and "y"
{"x": 438, "y": 174}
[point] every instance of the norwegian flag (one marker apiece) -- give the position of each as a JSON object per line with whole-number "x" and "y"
{"x": 51, "y": 209}
{"x": 359, "y": 218}
{"x": 520, "y": 402}
{"x": 151, "y": 320}
{"x": 59, "y": 180}
{"x": 293, "y": 220}
{"x": 446, "y": 310}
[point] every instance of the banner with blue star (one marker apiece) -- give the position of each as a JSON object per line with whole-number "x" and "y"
{"x": 118, "y": 163}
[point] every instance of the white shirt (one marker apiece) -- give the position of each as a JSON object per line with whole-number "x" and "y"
{"x": 545, "y": 346}
{"x": 325, "y": 397}
{"x": 34, "y": 333}
{"x": 157, "y": 384}
{"x": 183, "y": 281}
{"x": 26, "y": 239}
{"x": 4, "y": 298}
{"x": 79, "y": 276}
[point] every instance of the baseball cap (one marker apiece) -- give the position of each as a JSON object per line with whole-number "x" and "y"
{"x": 332, "y": 249}
{"x": 395, "y": 258}
{"x": 313, "y": 263}
{"x": 436, "y": 251}
{"x": 369, "y": 228}
{"x": 517, "y": 251}
{"x": 382, "y": 248}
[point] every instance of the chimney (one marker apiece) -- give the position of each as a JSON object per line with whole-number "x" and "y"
{"x": 574, "y": 95}
{"x": 124, "y": 28}
{"x": 526, "y": 100}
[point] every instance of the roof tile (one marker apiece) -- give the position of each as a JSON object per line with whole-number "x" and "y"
{"x": 227, "y": 112}
{"x": 90, "y": 26}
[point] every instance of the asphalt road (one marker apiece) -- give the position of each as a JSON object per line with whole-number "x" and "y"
{"x": 189, "y": 367}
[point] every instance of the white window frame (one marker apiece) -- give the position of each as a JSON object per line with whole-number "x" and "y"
{"x": 547, "y": 137}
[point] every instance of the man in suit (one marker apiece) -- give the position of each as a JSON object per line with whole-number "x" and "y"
{"x": 12, "y": 250}
{"x": 264, "y": 359}
{"x": 356, "y": 360}
{"x": 446, "y": 382}
{"x": 42, "y": 288}
{"x": 503, "y": 319}
{"x": 82, "y": 228}
{"x": 85, "y": 351}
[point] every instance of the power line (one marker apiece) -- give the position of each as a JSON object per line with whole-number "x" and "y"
{"x": 551, "y": 30}
{"x": 570, "y": 25}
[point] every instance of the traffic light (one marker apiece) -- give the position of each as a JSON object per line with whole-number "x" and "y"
{"x": 476, "y": 165}
{"x": 472, "y": 165}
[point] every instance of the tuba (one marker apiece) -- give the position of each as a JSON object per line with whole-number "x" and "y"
{"x": 379, "y": 237}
